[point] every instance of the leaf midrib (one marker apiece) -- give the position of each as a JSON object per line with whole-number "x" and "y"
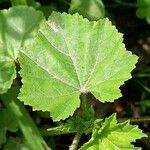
{"x": 69, "y": 55}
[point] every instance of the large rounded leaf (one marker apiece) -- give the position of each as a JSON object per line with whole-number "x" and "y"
{"x": 70, "y": 56}
{"x": 18, "y": 26}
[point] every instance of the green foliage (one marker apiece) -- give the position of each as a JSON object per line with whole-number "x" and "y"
{"x": 71, "y": 56}
{"x": 7, "y": 123}
{"x": 18, "y": 27}
{"x": 111, "y": 135}
{"x": 2, "y": 135}
{"x": 81, "y": 123}
{"x": 143, "y": 10}
{"x": 65, "y": 62}
{"x": 47, "y": 10}
{"x": 22, "y": 119}
{"x": 91, "y": 9}
{"x": 15, "y": 144}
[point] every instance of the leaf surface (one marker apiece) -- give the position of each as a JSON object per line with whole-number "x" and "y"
{"x": 91, "y": 9}
{"x": 70, "y": 56}
{"x": 113, "y": 136}
{"x": 143, "y": 10}
{"x": 18, "y": 26}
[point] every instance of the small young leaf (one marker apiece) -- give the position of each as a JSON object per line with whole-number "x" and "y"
{"x": 70, "y": 56}
{"x": 143, "y": 10}
{"x": 91, "y": 9}
{"x": 18, "y": 26}
{"x": 113, "y": 136}
{"x": 81, "y": 123}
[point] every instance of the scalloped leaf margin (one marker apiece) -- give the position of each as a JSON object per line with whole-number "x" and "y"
{"x": 70, "y": 56}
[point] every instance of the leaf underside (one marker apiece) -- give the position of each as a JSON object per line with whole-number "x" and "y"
{"x": 18, "y": 26}
{"x": 70, "y": 56}
{"x": 113, "y": 136}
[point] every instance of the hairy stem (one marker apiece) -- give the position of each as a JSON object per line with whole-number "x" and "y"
{"x": 75, "y": 142}
{"x": 83, "y": 102}
{"x": 26, "y": 124}
{"x": 55, "y": 131}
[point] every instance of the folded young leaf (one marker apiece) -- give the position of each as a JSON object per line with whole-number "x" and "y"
{"x": 18, "y": 26}
{"x": 70, "y": 56}
{"x": 113, "y": 136}
{"x": 143, "y": 10}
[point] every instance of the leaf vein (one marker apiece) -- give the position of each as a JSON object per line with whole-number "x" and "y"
{"x": 49, "y": 73}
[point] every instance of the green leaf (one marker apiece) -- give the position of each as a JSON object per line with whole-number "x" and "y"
{"x": 48, "y": 9}
{"x": 16, "y": 144}
{"x": 81, "y": 123}
{"x": 7, "y": 123}
{"x": 23, "y": 119}
{"x": 91, "y": 9}
{"x": 18, "y": 26}
{"x": 2, "y": 134}
{"x": 113, "y": 136}
{"x": 70, "y": 56}
{"x": 143, "y": 10}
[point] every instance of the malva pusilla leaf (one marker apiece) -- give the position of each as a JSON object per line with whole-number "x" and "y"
{"x": 70, "y": 56}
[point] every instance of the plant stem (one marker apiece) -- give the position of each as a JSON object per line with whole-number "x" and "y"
{"x": 83, "y": 102}
{"x": 142, "y": 75}
{"x": 23, "y": 2}
{"x": 26, "y": 124}
{"x": 66, "y": 2}
{"x": 126, "y": 3}
{"x": 135, "y": 120}
{"x": 144, "y": 86}
{"x": 77, "y": 137}
{"x": 55, "y": 131}
{"x": 75, "y": 142}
